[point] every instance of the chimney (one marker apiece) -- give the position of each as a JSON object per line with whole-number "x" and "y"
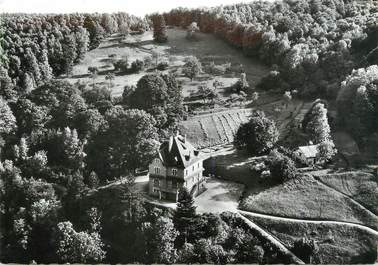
{"x": 185, "y": 138}
{"x": 170, "y": 143}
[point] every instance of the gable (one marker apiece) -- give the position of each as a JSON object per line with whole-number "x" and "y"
{"x": 178, "y": 152}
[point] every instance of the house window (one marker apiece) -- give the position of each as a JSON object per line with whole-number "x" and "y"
{"x": 156, "y": 160}
{"x": 174, "y": 172}
{"x": 154, "y": 190}
{"x": 157, "y": 170}
{"x": 156, "y": 183}
{"x": 186, "y": 172}
{"x": 169, "y": 183}
{"x": 193, "y": 168}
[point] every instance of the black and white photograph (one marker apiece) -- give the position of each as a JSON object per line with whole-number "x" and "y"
{"x": 189, "y": 132}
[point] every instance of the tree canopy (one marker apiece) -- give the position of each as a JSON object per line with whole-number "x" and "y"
{"x": 258, "y": 135}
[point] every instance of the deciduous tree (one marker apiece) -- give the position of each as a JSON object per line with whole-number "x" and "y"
{"x": 257, "y": 136}
{"x": 192, "y": 68}
{"x": 129, "y": 141}
{"x": 78, "y": 247}
{"x": 165, "y": 236}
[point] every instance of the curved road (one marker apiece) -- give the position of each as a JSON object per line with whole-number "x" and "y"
{"x": 296, "y": 220}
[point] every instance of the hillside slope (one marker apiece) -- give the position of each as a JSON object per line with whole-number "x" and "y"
{"x": 215, "y": 128}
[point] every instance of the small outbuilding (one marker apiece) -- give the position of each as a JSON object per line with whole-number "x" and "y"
{"x": 309, "y": 152}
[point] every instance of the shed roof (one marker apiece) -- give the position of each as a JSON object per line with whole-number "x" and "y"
{"x": 309, "y": 151}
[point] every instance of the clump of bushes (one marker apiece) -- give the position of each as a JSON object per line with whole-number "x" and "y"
{"x": 136, "y": 66}
{"x": 306, "y": 249}
{"x": 241, "y": 84}
{"x": 214, "y": 69}
{"x": 162, "y": 66}
{"x": 122, "y": 66}
{"x": 282, "y": 168}
{"x": 273, "y": 81}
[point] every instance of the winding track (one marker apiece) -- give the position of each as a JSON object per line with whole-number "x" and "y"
{"x": 272, "y": 239}
{"x": 296, "y": 220}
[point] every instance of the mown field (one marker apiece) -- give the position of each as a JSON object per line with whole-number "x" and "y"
{"x": 362, "y": 187}
{"x": 306, "y": 198}
{"x": 338, "y": 244}
{"x": 214, "y": 128}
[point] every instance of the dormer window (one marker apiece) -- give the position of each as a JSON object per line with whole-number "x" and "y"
{"x": 174, "y": 171}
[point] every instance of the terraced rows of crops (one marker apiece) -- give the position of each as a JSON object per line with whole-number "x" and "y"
{"x": 214, "y": 129}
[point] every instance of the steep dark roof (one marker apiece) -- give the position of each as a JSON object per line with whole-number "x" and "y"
{"x": 178, "y": 152}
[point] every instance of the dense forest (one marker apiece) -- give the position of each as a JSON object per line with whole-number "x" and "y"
{"x": 59, "y": 141}
{"x": 312, "y": 47}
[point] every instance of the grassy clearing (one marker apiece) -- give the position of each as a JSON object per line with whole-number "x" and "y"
{"x": 338, "y": 244}
{"x": 362, "y": 187}
{"x": 117, "y": 47}
{"x": 178, "y": 48}
{"x": 211, "y": 49}
{"x": 306, "y": 198}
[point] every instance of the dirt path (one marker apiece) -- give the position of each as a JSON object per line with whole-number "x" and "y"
{"x": 284, "y": 127}
{"x": 272, "y": 239}
{"x": 296, "y": 220}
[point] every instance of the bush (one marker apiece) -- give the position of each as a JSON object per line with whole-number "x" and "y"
{"x": 241, "y": 85}
{"x": 162, "y": 66}
{"x": 282, "y": 168}
{"x": 121, "y": 65}
{"x": 273, "y": 81}
{"x": 217, "y": 69}
{"x": 136, "y": 66}
{"x": 147, "y": 61}
{"x": 305, "y": 249}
